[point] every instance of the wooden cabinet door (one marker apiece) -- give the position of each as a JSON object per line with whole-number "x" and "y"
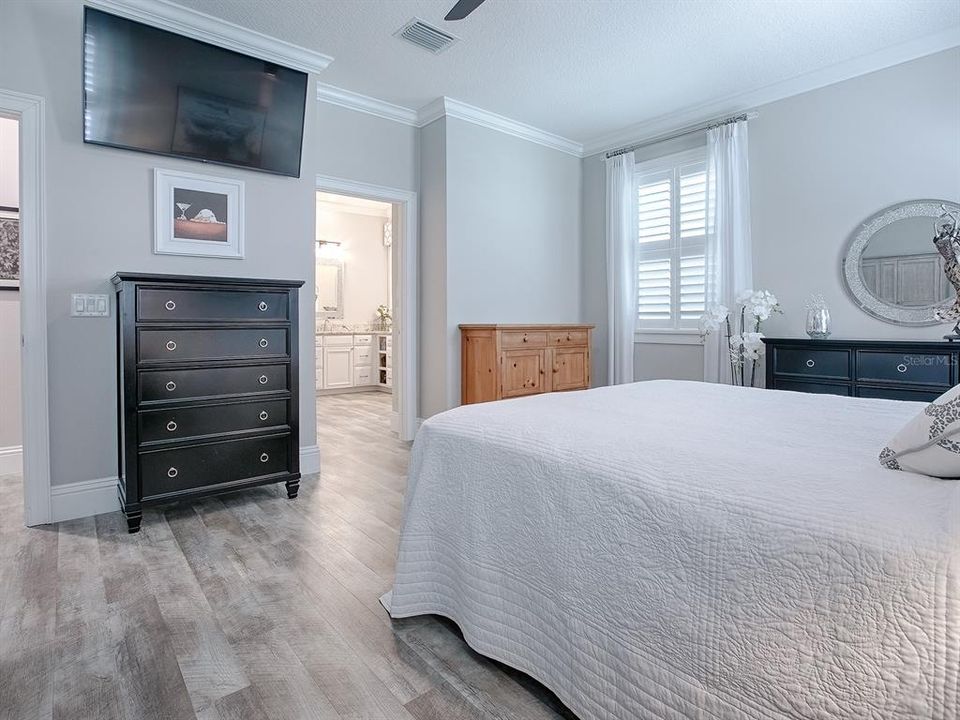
{"x": 570, "y": 369}
{"x": 522, "y": 372}
{"x": 337, "y": 367}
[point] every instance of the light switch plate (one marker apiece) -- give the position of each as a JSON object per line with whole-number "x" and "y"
{"x": 89, "y": 305}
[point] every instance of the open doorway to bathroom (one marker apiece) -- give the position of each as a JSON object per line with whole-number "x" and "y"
{"x": 354, "y": 309}
{"x": 11, "y": 432}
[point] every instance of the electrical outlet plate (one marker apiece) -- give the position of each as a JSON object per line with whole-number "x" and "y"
{"x": 89, "y": 305}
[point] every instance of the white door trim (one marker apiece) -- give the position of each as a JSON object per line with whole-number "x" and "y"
{"x": 406, "y": 311}
{"x": 29, "y": 110}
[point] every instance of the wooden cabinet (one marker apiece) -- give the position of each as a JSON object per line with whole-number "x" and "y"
{"x": 337, "y": 367}
{"x": 207, "y": 378}
{"x": 504, "y": 361}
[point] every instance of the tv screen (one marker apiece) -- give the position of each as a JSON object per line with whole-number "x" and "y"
{"x": 151, "y": 90}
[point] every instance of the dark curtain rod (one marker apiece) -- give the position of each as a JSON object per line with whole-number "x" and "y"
{"x": 683, "y": 133}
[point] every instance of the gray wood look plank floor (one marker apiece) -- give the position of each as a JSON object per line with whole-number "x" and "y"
{"x": 243, "y": 606}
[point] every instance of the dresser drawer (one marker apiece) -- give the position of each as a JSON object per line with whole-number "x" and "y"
{"x": 812, "y": 362}
{"x": 191, "y": 422}
{"x": 887, "y": 393}
{"x": 210, "y": 305}
{"x": 818, "y": 388}
{"x": 163, "y": 472}
{"x": 161, "y": 385}
{"x": 188, "y": 345}
{"x": 925, "y": 368}
{"x": 512, "y": 339}
{"x": 571, "y": 337}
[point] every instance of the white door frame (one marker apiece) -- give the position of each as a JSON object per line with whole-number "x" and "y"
{"x": 29, "y": 110}
{"x": 406, "y": 244}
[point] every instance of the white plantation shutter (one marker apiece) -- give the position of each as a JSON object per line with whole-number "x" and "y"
{"x": 671, "y": 205}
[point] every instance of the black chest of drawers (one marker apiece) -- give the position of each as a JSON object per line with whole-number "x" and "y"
{"x": 207, "y": 375}
{"x": 895, "y": 370}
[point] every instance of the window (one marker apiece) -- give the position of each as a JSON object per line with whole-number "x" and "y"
{"x": 672, "y": 210}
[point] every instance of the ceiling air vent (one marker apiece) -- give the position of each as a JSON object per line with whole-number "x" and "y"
{"x": 426, "y": 36}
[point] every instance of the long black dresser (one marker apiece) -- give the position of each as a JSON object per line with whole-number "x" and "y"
{"x": 207, "y": 376}
{"x": 894, "y": 370}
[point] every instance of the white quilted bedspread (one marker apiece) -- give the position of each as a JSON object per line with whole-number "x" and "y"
{"x": 671, "y": 550}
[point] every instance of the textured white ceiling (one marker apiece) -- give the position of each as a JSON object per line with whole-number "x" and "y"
{"x": 584, "y": 68}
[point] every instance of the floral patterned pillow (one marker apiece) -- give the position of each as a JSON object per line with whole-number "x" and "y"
{"x": 930, "y": 443}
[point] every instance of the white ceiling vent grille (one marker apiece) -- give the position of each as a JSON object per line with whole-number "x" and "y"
{"x": 425, "y": 36}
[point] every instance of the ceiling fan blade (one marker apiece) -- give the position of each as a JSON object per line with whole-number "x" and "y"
{"x": 462, "y": 9}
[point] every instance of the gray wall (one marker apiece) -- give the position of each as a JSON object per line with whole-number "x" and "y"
{"x": 820, "y": 164}
{"x": 500, "y": 242}
{"x": 99, "y": 220}
{"x": 10, "y": 418}
{"x": 360, "y": 147}
{"x": 433, "y": 268}
{"x": 10, "y": 423}
{"x": 513, "y": 234}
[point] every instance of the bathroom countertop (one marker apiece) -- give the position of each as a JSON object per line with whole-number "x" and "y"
{"x": 353, "y": 332}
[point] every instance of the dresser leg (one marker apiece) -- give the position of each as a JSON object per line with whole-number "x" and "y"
{"x": 293, "y": 487}
{"x": 133, "y": 520}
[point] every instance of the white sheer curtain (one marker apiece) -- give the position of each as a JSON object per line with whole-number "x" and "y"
{"x": 729, "y": 259}
{"x": 621, "y": 267}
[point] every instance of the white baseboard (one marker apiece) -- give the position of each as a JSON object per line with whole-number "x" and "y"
{"x": 11, "y": 460}
{"x": 94, "y": 497}
{"x": 82, "y": 499}
{"x": 309, "y": 460}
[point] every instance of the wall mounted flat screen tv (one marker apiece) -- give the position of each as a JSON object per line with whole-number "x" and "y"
{"x": 154, "y": 91}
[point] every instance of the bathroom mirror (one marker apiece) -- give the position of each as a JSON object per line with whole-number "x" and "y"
{"x": 330, "y": 289}
{"x": 892, "y": 269}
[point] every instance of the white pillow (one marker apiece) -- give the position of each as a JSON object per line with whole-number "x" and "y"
{"x": 930, "y": 443}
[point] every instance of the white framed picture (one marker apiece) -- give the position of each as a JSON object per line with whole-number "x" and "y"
{"x": 197, "y": 215}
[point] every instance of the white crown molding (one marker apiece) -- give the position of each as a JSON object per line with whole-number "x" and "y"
{"x": 441, "y": 107}
{"x": 478, "y": 116}
{"x": 431, "y": 111}
{"x": 200, "y": 26}
{"x": 855, "y": 67}
{"x": 366, "y": 104}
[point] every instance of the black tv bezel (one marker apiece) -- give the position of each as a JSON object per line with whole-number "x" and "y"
{"x": 303, "y": 116}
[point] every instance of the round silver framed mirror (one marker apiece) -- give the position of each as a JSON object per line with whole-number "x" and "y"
{"x": 891, "y": 268}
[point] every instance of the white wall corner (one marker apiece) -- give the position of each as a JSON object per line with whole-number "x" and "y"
{"x": 83, "y": 499}
{"x": 200, "y": 26}
{"x": 11, "y": 460}
{"x": 365, "y": 104}
{"x": 431, "y": 111}
{"x": 309, "y": 460}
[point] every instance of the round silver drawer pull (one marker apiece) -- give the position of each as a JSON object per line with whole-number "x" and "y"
{"x": 264, "y": 457}
{"x": 901, "y": 368}
{"x": 171, "y": 386}
{"x": 172, "y": 472}
{"x": 263, "y": 342}
{"x": 171, "y": 426}
{"x": 263, "y": 379}
{"x": 810, "y": 363}
{"x": 263, "y": 415}
{"x": 262, "y": 307}
{"x": 170, "y": 305}
{"x": 171, "y": 345}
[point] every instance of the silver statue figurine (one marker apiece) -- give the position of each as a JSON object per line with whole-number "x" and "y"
{"x": 947, "y": 240}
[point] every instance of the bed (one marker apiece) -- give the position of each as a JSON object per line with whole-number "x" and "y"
{"x": 672, "y": 550}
